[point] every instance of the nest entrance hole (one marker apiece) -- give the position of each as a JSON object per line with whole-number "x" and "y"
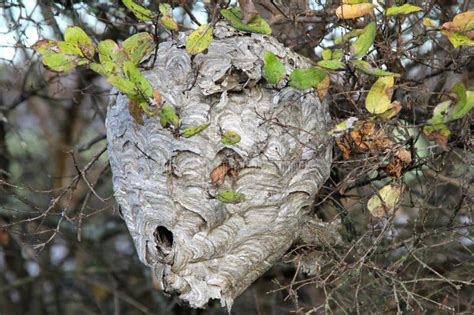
{"x": 164, "y": 239}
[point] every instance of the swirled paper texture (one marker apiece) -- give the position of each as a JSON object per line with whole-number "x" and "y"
{"x": 198, "y": 246}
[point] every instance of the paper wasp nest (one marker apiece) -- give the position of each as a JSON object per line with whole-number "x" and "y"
{"x": 200, "y": 247}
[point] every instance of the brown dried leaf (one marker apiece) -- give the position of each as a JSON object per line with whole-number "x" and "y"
{"x": 136, "y": 112}
{"x": 399, "y": 161}
{"x": 356, "y": 136}
{"x": 381, "y": 141}
{"x": 394, "y": 168}
{"x": 218, "y": 174}
{"x": 367, "y": 137}
{"x": 344, "y": 146}
{"x": 323, "y": 87}
{"x": 4, "y": 238}
{"x": 404, "y": 155}
{"x": 157, "y": 96}
{"x": 461, "y": 22}
{"x": 439, "y": 138}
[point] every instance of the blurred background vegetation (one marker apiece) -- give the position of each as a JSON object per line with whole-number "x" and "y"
{"x": 64, "y": 248}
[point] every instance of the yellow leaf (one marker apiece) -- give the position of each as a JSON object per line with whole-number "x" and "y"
{"x": 392, "y": 111}
{"x": 169, "y": 23}
{"x": 351, "y": 11}
{"x": 464, "y": 21}
{"x": 380, "y": 95}
{"x": 199, "y": 40}
{"x": 385, "y": 201}
{"x": 429, "y": 22}
{"x": 403, "y": 9}
{"x": 457, "y": 38}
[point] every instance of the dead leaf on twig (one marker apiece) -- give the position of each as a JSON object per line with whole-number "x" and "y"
{"x": 323, "y": 87}
{"x": 343, "y": 145}
{"x": 400, "y": 160}
{"x": 136, "y": 112}
{"x": 218, "y": 174}
{"x": 368, "y": 137}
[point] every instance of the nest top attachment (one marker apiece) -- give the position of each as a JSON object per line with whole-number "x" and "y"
{"x": 212, "y": 212}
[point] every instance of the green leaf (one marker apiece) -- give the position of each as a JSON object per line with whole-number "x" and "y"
{"x": 349, "y": 35}
{"x": 366, "y": 68}
{"x": 140, "y": 12}
{"x": 122, "y": 85}
{"x": 192, "y": 131}
{"x": 403, "y": 9}
{"x": 446, "y": 112}
{"x": 169, "y": 23}
{"x": 70, "y": 49}
{"x": 46, "y": 47}
{"x": 62, "y": 62}
{"x": 230, "y": 137}
{"x": 165, "y": 9}
{"x": 437, "y": 127}
{"x": 303, "y": 79}
{"x": 62, "y": 56}
{"x": 395, "y": 108}
{"x": 379, "y": 98}
{"x": 112, "y": 73}
{"x": 143, "y": 104}
{"x": 109, "y": 51}
{"x": 168, "y": 116}
{"x": 337, "y": 54}
{"x": 441, "y": 113}
{"x": 106, "y": 68}
{"x": 139, "y": 46}
{"x": 458, "y": 39}
{"x": 343, "y": 126}
{"x": 142, "y": 85}
{"x": 331, "y": 64}
{"x": 438, "y": 132}
{"x": 459, "y": 109}
{"x": 199, "y": 40}
{"x": 385, "y": 201}
{"x": 256, "y": 25}
{"x": 76, "y": 36}
{"x": 230, "y": 197}
{"x": 167, "y": 17}
{"x": 469, "y": 104}
{"x": 273, "y": 69}
{"x": 364, "y": 41}
{"x": 331, "y": 59}
{"x": 429, "y": 23}
{"x": 326, "y": 54}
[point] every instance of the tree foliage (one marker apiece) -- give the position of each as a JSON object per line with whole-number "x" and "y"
{"x": 397, "y": 76}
